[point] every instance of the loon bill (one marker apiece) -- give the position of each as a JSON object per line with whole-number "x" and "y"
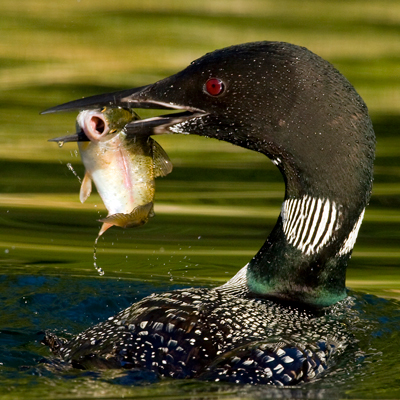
{"x": 262, "y": 326}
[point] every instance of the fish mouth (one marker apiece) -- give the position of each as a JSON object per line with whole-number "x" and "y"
{"x": 132, "y": 99}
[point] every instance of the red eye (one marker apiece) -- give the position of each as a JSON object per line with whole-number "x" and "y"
{"x": 214, "y": 86}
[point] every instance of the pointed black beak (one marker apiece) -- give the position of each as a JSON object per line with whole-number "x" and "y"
{"x": 123, "y": 98}
{"x": 143, "y": 97}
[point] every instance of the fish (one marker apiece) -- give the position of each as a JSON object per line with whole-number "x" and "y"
{"x": 123, "y": 169}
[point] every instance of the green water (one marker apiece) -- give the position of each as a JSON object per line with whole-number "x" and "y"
{"x": 213, "y": 212}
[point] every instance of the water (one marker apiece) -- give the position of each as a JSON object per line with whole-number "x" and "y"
{"x": 68, "y": 305}
{"x": 213, "y": 212}
{"x": 96, "y": 267}
{"x": 71, "y": 168}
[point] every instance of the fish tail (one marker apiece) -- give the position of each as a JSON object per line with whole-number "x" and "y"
{"x": 104, "y": 227}
{"x": 139, "y": 216}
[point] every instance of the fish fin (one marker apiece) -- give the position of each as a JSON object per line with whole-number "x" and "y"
{"x": 139, "y": 216}
{"x": 86, "y": 188}
{"x": 162, "y": 163}
{"x": 151, "y": 212}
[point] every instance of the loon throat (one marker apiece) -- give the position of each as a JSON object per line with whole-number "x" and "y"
{"x": 310, "y": 224}
{"x": 269, "y": 324}
{"x": 310, "y": 228}
{"x": 305, "y": 257}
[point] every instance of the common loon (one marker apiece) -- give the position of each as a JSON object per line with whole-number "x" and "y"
{"x": 273, "y": 322}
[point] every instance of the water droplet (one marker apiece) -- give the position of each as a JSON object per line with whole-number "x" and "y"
{"x": 71, "y": 168}
{"x": 98, "y": 269}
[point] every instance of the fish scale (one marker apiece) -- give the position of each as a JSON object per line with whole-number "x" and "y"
{"x": 208, "y": 334}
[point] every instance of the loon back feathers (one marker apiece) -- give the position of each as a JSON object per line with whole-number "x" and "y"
{"x": 209, "y": 334}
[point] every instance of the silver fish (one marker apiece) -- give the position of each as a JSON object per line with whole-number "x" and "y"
{"x": 122, "y": 169}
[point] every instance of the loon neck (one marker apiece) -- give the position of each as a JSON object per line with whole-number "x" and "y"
{"x": 305, "y": 257}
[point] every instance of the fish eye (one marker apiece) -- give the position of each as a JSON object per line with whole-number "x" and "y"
{"x": 214, "y": 87}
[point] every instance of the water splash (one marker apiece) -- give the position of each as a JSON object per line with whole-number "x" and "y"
{"x": 71, "y": 168}
{"x": 98, "y": 269}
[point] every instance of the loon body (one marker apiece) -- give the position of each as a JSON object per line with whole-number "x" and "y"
{"x": 210, "y": 334}
{"x": 272, "y": 323}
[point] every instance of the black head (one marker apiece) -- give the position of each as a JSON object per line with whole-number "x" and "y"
{"x": 271, "y": 97}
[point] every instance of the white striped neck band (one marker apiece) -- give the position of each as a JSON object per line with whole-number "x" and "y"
{"x": 311, "y": 223}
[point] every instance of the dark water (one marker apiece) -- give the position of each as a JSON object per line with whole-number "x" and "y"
{"x": 67, "y": 305}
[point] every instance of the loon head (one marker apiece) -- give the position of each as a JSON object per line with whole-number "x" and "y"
{"x": 291, "y": 105}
